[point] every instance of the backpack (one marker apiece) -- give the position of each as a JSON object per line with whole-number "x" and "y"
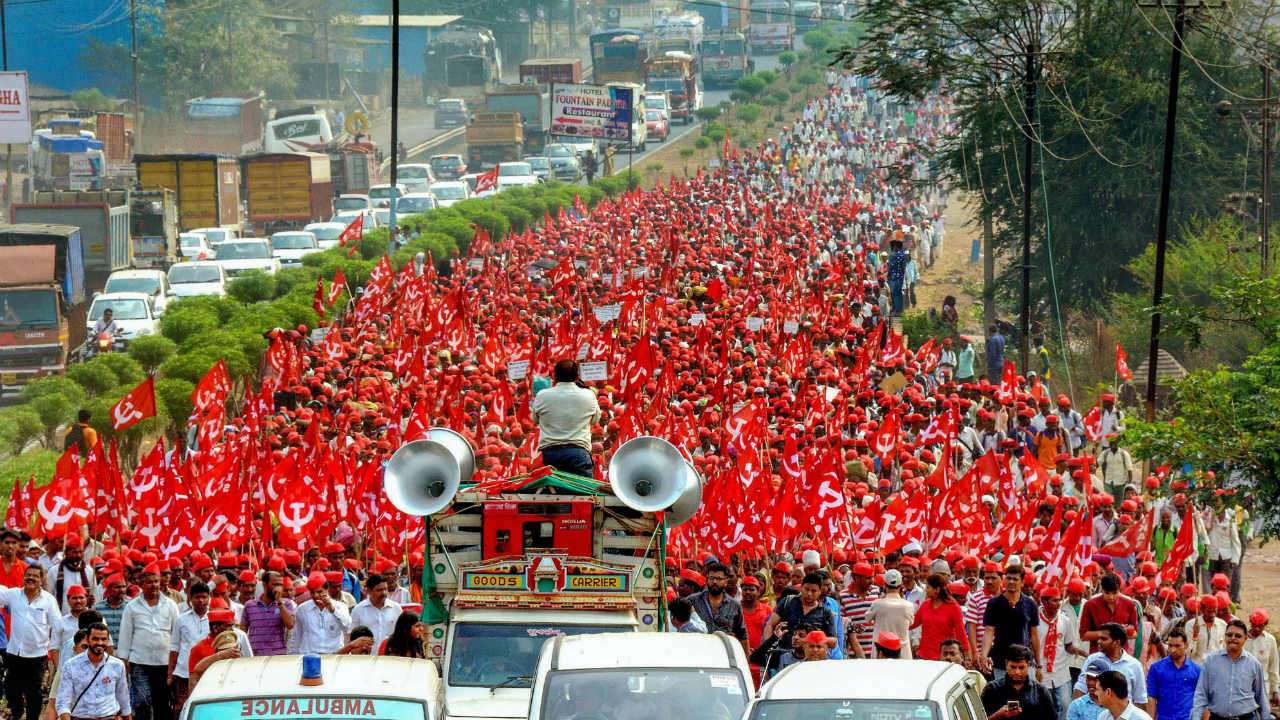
{"x": 75, "y": 436}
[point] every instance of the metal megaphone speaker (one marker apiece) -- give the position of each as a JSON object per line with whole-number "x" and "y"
{"x": 649, "y": 474}
{"x": 422, "y": 477}
{"x": 686, "y": 506}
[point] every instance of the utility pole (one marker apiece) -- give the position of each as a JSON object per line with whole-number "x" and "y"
{"x": 1162, "y": 220}
{"x": 1266, "y": 168}
{"x": 395, "y": 112}
{"x": 8, "y": 149}
{"x": 324, "y": 8}
{"x": 1029, "y": 133}
{"x": 133, "y": 57}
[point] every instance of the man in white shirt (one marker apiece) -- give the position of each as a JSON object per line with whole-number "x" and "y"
{"x": 191, "y": 628}
{"x": 70, "y": 570}
{"x": 1262, "y": 645}
{"x": 565, "y": 413}
{"x": 319, "y": 623}
{"x": 1207, "y": 632}
{"x": 146, "y": 634}
{"x": 376, "y": 612}
{"x": 93, "y": 682}
{"x": 1055, "y": 657}
{"x": 65, "y": 635}
{"x": 33, "y": 617}
{"x": 1113, "y": 696}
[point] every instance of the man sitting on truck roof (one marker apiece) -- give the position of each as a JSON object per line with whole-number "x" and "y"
{"x": 565, "y": 413}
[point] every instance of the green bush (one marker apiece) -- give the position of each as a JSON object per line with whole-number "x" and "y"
{"x": 93, "y": 376}
{"x": 818, "y": 40}
{"x": 127, "y": 370}
{"x": 37, "y": 463}
{"x": 19, "y": 426}
{"x": 707, "y": 113}
{"x": 751, "y": 85}
{"x": 787, "y": 58}
{"x": 150, "y": 351}
{"x": 289, "y": 278}
{"x": 919, "y": 326}
{"x": 53, "y": 385}
{"x": 183, "y": 321}
{"x": 55, "y": 410}
{"x": 702, "y": 143}
{"x": 253, "y": 286}
{"x": 714, "y": 131}
{"x": 808, "y": 76}
{"x": 174, "y": 396}
{"x": 750, "y": 113}
{"x": 738, "y": 97}
{"x": 768, "y": 76}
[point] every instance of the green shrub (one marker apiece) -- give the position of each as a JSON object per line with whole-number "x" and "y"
{"x": 808, "y": 76}
{"x": 183, "y": 321}
{"x": 33, "y": 463}
{"x": 93, "y": 376}
{"x": 127, "y": 370}
{"x": 750, "y": 113}
{"x": 768, "y": 76}
{"x": 289, "y": 278}
{"x": 919, "y": 326}
{"x": 750, "y": 85}
{"x": 55, "y": 410}
{"x": 787, "y": 58}
{"x": 707, "y": 113}
{"x": 150, "y": 351}
{"x": 174, "y": 396}
{"x": 738, "y": 96}
{"x": 713, "y": 131}
{"x": 19, "y": 426}
{"x": 818, "y": 40}
{"x": 53, "y": 385}
{"x": 253, "y": 286}
{"x": 702, "y": 143}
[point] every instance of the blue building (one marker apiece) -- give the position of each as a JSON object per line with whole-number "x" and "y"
{"x": 416, "y": 32}
{"x": 48, "y": 39}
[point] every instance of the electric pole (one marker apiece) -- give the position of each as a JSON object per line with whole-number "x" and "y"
{"x": 8, "y": 149}
{"x": 1166, "y": 182}
{"x": 395, "y": 114}
{"x": 1264, "y": 250}
{"x": 1029, "y": 132}
{"x": 133, "y": 57}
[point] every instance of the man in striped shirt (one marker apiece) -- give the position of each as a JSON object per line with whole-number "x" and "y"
{"x": 977, "y": 603}
{"x": 854, "y": 605}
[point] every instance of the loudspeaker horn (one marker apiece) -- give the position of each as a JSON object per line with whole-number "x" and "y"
{"x": 689, "y": 501}
{"x": 648, "y": 474}
{"x": 422, "y": 477}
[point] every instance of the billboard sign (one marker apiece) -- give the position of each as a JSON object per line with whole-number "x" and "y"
{"x": 592, "y": 111}
{"x": 15, "y": 109}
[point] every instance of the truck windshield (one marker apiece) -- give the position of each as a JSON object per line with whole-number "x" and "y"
{"x": 632, "y": 694}
{"x": 121, "y": 309}
{"x": 28, "y": 309}
{"x": 842, "y": 710}
{"x": 243, "y": 251}
{"x": 148, "y": 285}
{"x": 489, "y": 654}
{"x": 281, "y": 707}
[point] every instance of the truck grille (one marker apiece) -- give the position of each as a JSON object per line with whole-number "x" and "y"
{"x": 22, "y": 357}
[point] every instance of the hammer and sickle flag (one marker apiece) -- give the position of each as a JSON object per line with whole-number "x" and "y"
{"x": 138, "y": 405}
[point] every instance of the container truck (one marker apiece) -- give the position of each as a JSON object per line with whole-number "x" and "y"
{"x": 221, "y": 125}
{"x": 285, "y": 191}
{"x": 354, "y": 168}
{"x": 673, "y": 73}
{"x": 725, "y": 58}
{"x": 103, "y": 219}
{"x": 43, "y": 303}
{"x": 544, "y": 71}
{"x": 534, "y": 106}
{"x": 494, "y": 137}
{"x": 618, "y": 55}
{"x": 153, "y": 224}
{"x": 208, "y": 186}
{"x": 772, "y": 30}
{"x": 64, "y": 156}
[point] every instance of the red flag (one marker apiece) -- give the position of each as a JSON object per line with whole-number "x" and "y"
{"x": 1093, "y": 424}
{"x": 136, "y": 406}
{"x": 17, "y": 511}
{"x": 885, "y": 441}
{"x": 1062, "y": 558}
{"x": 1135, "y": 538}
{"x": 317, "y": 300}
{"x": 1183, "y": 547}
{"x": 487, "y": 180}
{"x": 212, "y": 389}
{"x": 352, "y": 233}
{"x": 1122, "y": 364}
{"x": 335, "y": 290}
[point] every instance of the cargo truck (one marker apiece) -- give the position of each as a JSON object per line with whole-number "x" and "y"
{"x": 208, "y": 186}
{"x": 354, "y": 168}
{"x": 725, "y": 58}
{"x": 286, "y": 191}
{"x": 153, "y": 224}
{"x": 223, "y": 125}
{"x": 103, "y": 219}
{"x": 65, "y": 157}
{"x": 772, "y": 30}
{"x": 494, "y": 137}
{"x": 673, "y": 73}
{"x": 43, "y": 306}
{"x": 618, "y": 55}
{"x": 544, "y": 71}
{"x": 534, "y": 106}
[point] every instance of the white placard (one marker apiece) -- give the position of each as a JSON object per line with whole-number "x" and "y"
{"x": 517, "y": 370}
{"x": 830, "y": 392}
{"x": 697, "y": 318}
{"x": 594, "y": 371}
{"x": 15, "y": 109}
{"x": 639, "y": 272}
{"x": 755, "y": 323}
{"x": 582, "y": 351}
{"x": 713, "y": 162}
{"x": 317, "y": 335}
{"x": 605, "y": 313}
{"x": 791, "y": 327}
{"x": 475, "y": 264}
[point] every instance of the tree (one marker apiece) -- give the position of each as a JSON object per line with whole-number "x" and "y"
{"x": 151, "y": 351}
{"x": 19, "y": 427}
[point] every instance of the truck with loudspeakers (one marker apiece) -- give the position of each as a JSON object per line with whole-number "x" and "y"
{"x": 512, "y": 563}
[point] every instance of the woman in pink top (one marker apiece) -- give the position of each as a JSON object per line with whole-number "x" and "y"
{"x": 939, "y": 618}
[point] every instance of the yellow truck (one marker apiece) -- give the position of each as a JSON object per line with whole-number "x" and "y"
{"x": 494, "y": 137}
{"x": 208, "y": 186}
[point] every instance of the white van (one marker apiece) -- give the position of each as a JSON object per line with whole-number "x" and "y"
{"x": 352, "y": 686}
{"x": 870, "y": 689}
{"x": 640, "y": 676}
{"x": 297, "y": 133}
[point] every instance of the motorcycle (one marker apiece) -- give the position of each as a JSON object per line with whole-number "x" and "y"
{"x": 103, "y": 342}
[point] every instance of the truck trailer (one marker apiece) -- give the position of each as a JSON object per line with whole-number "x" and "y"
{"x": 43, "y": 302}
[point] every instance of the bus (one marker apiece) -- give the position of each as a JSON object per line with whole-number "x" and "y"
{"x": 619, "y": 55}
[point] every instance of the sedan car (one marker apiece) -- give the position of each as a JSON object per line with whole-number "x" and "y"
{"x": 415, "y": 203}
{"x": 448, "y": 167}
{"x": 346, "y": 217}
{"x": 451, "y": 112}
{"x": 326, "y": 233}
{"x": 516, "y": 174}
{"x": 238, "y": 257}
{"x": 541, "y": 165}
{"x": 198, "y": 278}
{"x": 290, "y": 247}
{"x": 380, "y": 195}
{"x": 564, "y": 162}
{"x": 415, "y": 177}
{"x": 194, "y": 246}
{"x": 352, "y": 201}
{"x": 448, "y": 192}
{"x": 131, "y": 311}
{"x": 656, "y": 125}
{"x": 217, "y": 235}
{"x": 152, "y": 283}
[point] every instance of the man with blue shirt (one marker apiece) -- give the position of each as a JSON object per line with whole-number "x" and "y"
{"x": 1171, "y": 682}
{"x": 1086, "y": 706}
{"x": 1111, "y": 652}
{"x": 1231, "y": 684}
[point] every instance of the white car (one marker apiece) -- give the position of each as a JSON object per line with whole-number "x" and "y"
{"x": 352, "y": 201}
{"x": 660, "y": 102}
{"x": 448, "y": 192}
{"x": 346, "y": 217}
{"x": 380, "y": 195}
{"x": 326, "y": 233}
{"x": 516, "y": 174}
{"x": 131, "y": 312}
{"x": 151, "y": 283}
{"x": 415, "y": 177}
{"x": 194, "y": 246}
{"x": 415, "y": 203}
{"x": 198, "y": 278}
{"x": 217, "y": 235}
{"x": 580, "y": 145}
{"x": 870, "y": 689}
{"x": 238, "y": 257}
{"x": 289, "y": 247}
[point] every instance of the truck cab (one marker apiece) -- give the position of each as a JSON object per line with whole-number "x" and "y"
{"x": 42, "y": 301}
{"x": 303, "y": 132}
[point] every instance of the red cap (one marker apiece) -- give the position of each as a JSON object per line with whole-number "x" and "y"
{"x": 1188, "y": 589}
{"x": 315, "y": 581}
{"x": 247, "y": 576}
{"x": 1220, "y": 581}
{"x": 275, "y": 563}
{"x": 750, "y": 581}
{"x": 333, "y": 548}
{"x": 227, "y": 560}
{"x": 76, "y": 591}
{"x": 1076, "y": 585}
{"x": 815, "y": 637}
{"x": 693, "y": 576}
{"x": 864, "y": 569}
{"x": 334, "y": 578}
{"x": 200, "y": 561}
{"x": 889, "y": 641}
{"x": 116, "y": 579}
{"x": 1259, "y": 616}
{"x": 1051, "y": 592}
{"x": 221, "y": 616}
{"x": 781, "y": 566}
{"x": 1209, "y": 601}
{"x": 152, "y": 569}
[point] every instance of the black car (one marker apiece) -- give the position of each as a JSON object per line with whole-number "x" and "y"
{"x": 451, "y": 113}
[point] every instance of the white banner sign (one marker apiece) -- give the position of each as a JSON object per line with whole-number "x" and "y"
{"x": 15, "y": 109}
{"x": 755, "y": 323}
{"x": 594, "y": 371}
{"x": 591, "y": 111}
{"x": 605, "y": 313}
{"x": 791, "y": 327}
{"x": 517, "y": 370}
{"x": 697, "y": 318}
